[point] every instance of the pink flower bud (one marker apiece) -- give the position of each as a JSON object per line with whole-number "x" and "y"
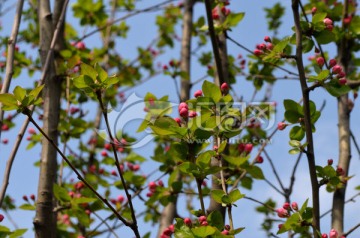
{"x": 342, "y": 81}
{"x": 267, "y": 39}
{"x": 202, "y": 219}
{"x": 332, "y": 63}
{"x": 282, "y": 213}
{"x": 183, "y": 105}
{"x": 187, "y": 221}
{"x": 258, "y": 52}
{"x": 320, "y": 61}
{"x": 324, "y": 235}
{"x": 198, "y": 93}
{"x": 328, "y": 21}
{"x": 259, "y": 159}
{"x": 294, "y": 206}
{"x": 192, "y": 114}
{"x": 281, "y": 126}
{"x": 224, "y": 87}
{"x": 178, "y": 120}
{"x": 333, "y": 233}
{"x": 286, "y": 206}
{"x": 337, "y": 69}
{"x": 269, "y": 46}
{"x": 248, "y": 148}
{"x": 215, "y": 13}
{"x": 313, "y": 10}
{"x": 184, "y": 112}
{"x": 341, "y": 75}
{"x": 330, "y": 161}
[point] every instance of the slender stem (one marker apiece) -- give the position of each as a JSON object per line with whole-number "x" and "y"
{"x": 9, "y": 71}
{"x": 245, "y": 48}
{"x": 76, "y": 171}
{"x": 257, "y": 201}
{"x": 307, "y": 120}
{"x": 201, "y": 197}
{"x": 274, "y": 170}
{"x": 110, "y": 23}
{"x": 292, "y": 178}
{"x": 351, "y": 230}
{"x": 134, "y": 225}
{"x": 352, "y": 199}
{"x": 214, "y": 42}
{"x": 355, "y": 142}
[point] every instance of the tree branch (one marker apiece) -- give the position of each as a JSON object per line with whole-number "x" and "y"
{"x": 9, "y": 71}
{"x": 307, "y": 120}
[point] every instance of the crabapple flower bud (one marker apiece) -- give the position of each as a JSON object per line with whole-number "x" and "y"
{"x": 282, "y": 213}
{"x": 333, "y": 233}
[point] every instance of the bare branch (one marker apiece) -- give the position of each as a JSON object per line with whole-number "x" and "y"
{"x": 9, "y": 71}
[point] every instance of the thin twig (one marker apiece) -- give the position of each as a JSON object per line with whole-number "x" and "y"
{"x": 274, "y": 170}
{"x": 355, "y": 142}
{"x": 351, "y": 230}
{"x": 276, "y": 66}
{"x": 9, "y": 71}
{"x": 80, "y": 177}
{"x": 133, "y": 225}
{"x": 347, "y": 201}
{"x": 261, "y": 203}
{"x": 124, "y": 18}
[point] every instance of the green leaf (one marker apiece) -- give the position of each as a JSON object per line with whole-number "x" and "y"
{"x": 61, "y": 193}
{"x": 324, "y": 37}
{"x": 28, "y": 207}
{"x": 18, "y": 233}
{"x": 323, "y": 75}
{"x": 36, "y": 91}
{"x": 9, "y": 100}
{"x": 337, "y": 90}
{"x": 215, "y": 219}
{"x": 19, "y": 93}
{"x": 203, "y": 160}
{"x": 83, "y": 200}
{"x": 222, "y": 146}
{"x": 256, "y": 172}
{"x": 203, "y": 231}
{"x": 102, "y": 74}
{"x": 217, "y": 195}
{"x": 235, "y": 195}
{"x": 291, "y": 104}
{"x": 295, "y": 143}
{"x": 89, "y": 71}
{"x": 280, "y": 46}
{"x": 187, "y": 167}
{"x": 235, "y": 160}
{"x": 212, "y": 91}
{"x": 294, "y": 151}
{"x": 66, "y": 53}
{"x": 233, "y": 19}
{"x": 83, "y": 81}
{"x": 319, "y": 17}
{"x": 112, "y": 80}
{"x": 297, "y": 133}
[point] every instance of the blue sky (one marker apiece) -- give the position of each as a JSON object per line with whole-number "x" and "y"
{"x": 250, "y": 32}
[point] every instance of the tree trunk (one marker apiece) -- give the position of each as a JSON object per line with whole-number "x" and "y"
{"x": 45, "y": 219}
{"x": 169, "y": 213}
{"x": 344, "y": 55}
